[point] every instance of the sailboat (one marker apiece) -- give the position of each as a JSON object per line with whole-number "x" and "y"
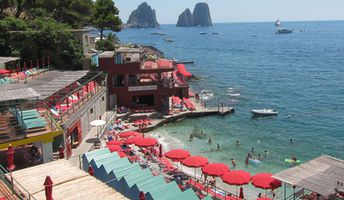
{"x": 280, "y": 29}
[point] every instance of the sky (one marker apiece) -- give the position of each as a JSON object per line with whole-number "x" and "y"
{"x": 167, "y": 11}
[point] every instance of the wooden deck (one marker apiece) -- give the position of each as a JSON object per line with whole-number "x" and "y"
{"x": 69, "y": 182}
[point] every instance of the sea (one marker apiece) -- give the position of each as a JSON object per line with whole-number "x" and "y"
{"x": 248, "y": 66}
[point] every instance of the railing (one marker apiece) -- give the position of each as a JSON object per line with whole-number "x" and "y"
{"x": 16, "y": 188}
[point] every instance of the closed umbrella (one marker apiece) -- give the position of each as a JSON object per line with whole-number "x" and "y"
{"x": 195, "y": 162}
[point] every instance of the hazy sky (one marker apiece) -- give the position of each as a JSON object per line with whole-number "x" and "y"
{"x": 167, "y": 11}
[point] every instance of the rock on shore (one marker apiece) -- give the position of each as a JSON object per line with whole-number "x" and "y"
{"x": 199, "y": 17}
{"x": 143, "y": 17}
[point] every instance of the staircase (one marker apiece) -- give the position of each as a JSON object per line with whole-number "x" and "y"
{"x": 6, "y": 192}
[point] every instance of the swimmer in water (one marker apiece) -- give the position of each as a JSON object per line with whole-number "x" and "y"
{"x": 237, "y": 142}
{"x": 291, "y": 140}
{"x": 210, "y": 140}
{"x": 233, "y": 162}
{"x": 191, "y": 137}
{"x": 218, "y": 146}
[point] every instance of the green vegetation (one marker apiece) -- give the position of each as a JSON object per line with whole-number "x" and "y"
{"x": 36, "y": 28}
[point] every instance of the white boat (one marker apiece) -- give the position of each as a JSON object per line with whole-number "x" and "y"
{"x": 280, "y": 29}
{"x": 264, "y": 112}
{"x": 169, "y": 40}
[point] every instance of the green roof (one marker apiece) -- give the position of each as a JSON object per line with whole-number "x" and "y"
{"x": 93, "y": 154}
{"x": 114, "y": 164}
{"x": 105, "y": 158}
{"x": 166, "y": 190}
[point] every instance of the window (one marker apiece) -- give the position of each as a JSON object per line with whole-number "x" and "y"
{"x": 91, "y": 111}
{"x": 133, "y": 81}
{"x": 103, "y": 98}
{"x": 118, "y": 81}
{"x": 127, "y": 59}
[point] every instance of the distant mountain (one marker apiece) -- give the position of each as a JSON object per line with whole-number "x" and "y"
{"x": 185, "y": 19}
{"x": 199, "y": 17}
{"x": 143, "y": 17}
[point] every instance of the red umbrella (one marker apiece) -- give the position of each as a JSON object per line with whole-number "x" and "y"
{"x": 265, "y": 181}
{"x": 215, "y": 169}
{"x": 131, "y": 140}
{"x": 160, "y": 151}
{"x": 195, "y": 161}
{"x": 142, "y": 196}
{"x": 263, "y": 174}
{"x": 145, "y": 142}
{"x": 4, "y": 71}
{"x": 236, "y": 177}
{"x": 113, "y": 148}
{"x": 241, "y": 195}
{"x": 48, "y": 184}
{"x": 177, "y": 154}
{"x": 10, "y": 154}
{"x": 114, "y": 142}
{"x": 129, "y": 134}
{"x": 121, "y": 154}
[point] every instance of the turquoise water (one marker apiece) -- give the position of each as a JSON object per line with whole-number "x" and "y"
{"x": 299, "y": 74}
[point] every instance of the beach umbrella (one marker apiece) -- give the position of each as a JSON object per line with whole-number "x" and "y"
{"x": 195, "y": 162}
{"x": 236, "y": 177}
{"x": 129, "y": 134}
{"x": 10, "y": 157}
{"x": 215, "y": 169}
{"x": 177, "y": 154}
{"x": 121, "y": 154}
{"x": 160, "y": 151}
{"x": 91, "y": 170}
{"x": 97, "y": 122}
{"x": 131, "y": 140}
{"x": 145, "y": 142}
{"x": 113, "y": 148}
{"x": 241, "y": 195}
{"x": 265, "y": 181}
{"x": 114, "y": 142}
{"x": 48, "y": 185}
{"x": 4, "y": 71}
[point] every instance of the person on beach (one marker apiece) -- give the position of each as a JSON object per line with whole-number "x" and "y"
{"x": 258, "y": 157}
{"x": 266, "y": 153}
{"x": 191, "y": 137}
{"x": 246, "y": 161}
{"x": 210, "y": 140}
{"x": 233, "y": 163}
{"x": 259, "y": 195}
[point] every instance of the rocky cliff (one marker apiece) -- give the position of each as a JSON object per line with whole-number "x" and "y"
{"x": 143, "y": 17}
{"x": 185, "y": 19}
{"x": 201, "y": 15}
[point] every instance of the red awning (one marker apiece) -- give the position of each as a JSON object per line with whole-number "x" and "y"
{"x": 182, "y": 70}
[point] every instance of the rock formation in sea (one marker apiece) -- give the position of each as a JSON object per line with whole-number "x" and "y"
{"x": 185, "y": 19}
{"x": 143, "y": 17}
{"x": 201, "y": 15}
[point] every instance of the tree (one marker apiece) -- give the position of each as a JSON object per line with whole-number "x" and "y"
{"x": 108, "y": 44}
{"x": 106, "y": 16}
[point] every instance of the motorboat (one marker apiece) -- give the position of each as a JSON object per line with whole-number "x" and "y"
{"x": 280, "y": 29}
{"x": 264, "y": 112}
{"x": 169, "y": 40}
{"x": 203, "y": 33}
{"x": 284, "y": 31}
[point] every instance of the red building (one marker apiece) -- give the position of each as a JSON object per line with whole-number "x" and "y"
{"x": 139, "y": 80}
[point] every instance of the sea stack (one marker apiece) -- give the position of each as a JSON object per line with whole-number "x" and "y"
{"x": 143, "y": 17}
{"x": 199, "y": 17}
{"x": 185, "y": 19}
